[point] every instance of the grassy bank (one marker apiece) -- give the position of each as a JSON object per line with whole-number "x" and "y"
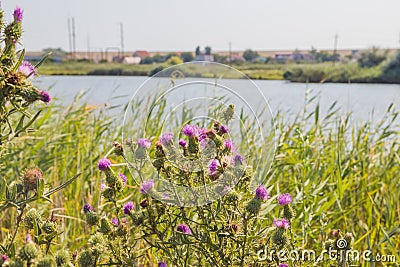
{"x": 340, "y": 175}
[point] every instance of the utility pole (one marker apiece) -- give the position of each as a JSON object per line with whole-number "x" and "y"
{"x": 73, "y": 38}
{"x": 69, "y": 36}
{"x": 122, "y": 38}
{"x": 335, "y": 49}
{"x": 88, "y": 46}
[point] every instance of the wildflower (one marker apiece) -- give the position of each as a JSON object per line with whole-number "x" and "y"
{"x": 336, "y": 233}
{"x": 104, "y": 164}
{"x": 183, "y": 228}
{"x": 128, "y": 207}
{"x": 4, "y": 258}
{"x": 87, "y": 208}
{"x": 27, "y": 69}
{"x": 223, "y": 129}
{"x": 182, "y": 143}
{"x": 162, "y": 264}
{"x": 213, "y": 166}
{"x": 28, "y": 238}
{"x": 123, "y": 177}
{"x": 229, "y": 145}
{"x": 238, "y": 159}
{"x": 202, "y": 134}
{"x": 18, "y": 14}
{"x": 146, "y": 186}
{"x": 103, "y": 186}
{"x": 144, "y": 143}
{"x": 262, "y": 193}
{"x": 166, "y": 138}
{"x": 31, "y": 178}
{"x": 284, "y": 199}
{"x": 190, "y": 130}
{"x": 114, "y": 221}
{"x": 45, "y": 96}
{"x": 281, "y": 223}
{"x": 283, "y": 265}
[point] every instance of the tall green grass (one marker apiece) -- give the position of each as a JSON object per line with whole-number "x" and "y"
{"x": 342, "y": 175}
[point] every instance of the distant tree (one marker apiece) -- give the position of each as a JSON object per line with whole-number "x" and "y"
{"x": 187, "y": 56}
{"x": 174, "y": 60}
{"x": 146, "y": 60}
{"x": 371, "y": 58}
{"x": 391, "y": 72}
{"x": 220, "y": 59}
{"x": 249, "y": 54}
{"x": 208, "y": 50}
{"x": 169, "y": 55}
{"x": 198, "y": 51}
{"x": 158, "y": 58}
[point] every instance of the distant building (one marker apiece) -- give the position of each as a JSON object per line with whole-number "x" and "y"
{"x": 283, "y": 58}
{"x": 298, "y": 56}
{"x": 132, "y": 60}
{"x": 141, "y": 54}
{"x": 259, "y": 60}
{"x": 204, "y": 57}
{"x": 237, "y": 58}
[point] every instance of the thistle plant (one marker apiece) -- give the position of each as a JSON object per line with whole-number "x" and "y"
{"x": 225, "y": 232}
{"x": 18, "y": 194}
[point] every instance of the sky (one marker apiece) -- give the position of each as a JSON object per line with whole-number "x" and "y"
{"x": 181, "y": 25}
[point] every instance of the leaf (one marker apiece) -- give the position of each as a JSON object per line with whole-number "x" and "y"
{"x": 40, "y": 188}
{"x": 29, "y": 123}
{"x": 21, "y": 57}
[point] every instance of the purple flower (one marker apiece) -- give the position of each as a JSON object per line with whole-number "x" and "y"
{"x": 182, "y": 143}
{"x": 28, "y": 238}
{"x": 27, "y": 69}
{"x": 284, "y": 199}
{"x": 18, "y": 14}
{"x": 183, "y": 228}
{"x": 104, "y": 164}
{"x": 202, "y": 134}
{"x": 114, "y": 221}
{"x": 87, "y": 208}
{"x": 262, "y": 193}
{"x": 223, "y": 129}
{"x": 45, "y": 96}
{"x": 238, "y": 159}
{"x": 162, "y": 264}
{"x": 123, "y": 177}
{"x": 281, "y": 223}
{"x": 166, "y": 138}
{"x": 128, "y": 206}
{"x": 283, "y": 265}
{"x": 103, "y": 186}
{"x": 190, "y": 130}
{"x": 229, "y": 145}
{"x": 146, "y": 186}
{"x": 144, "y": 143}
{"x": 213, "y": 166}
{"x": 4, "y": 258}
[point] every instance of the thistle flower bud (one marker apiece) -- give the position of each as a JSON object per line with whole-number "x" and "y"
{"x": 28, "y": 251}
{"x": 105, "y": 226}
{"x": 111, "y": 178}
{"x": 262, "y": 193}
{"x": 13, "y": 263}
{"x": 128, "y": 207}
{"x": 31, "y": 178}
{"x": 254, "y": 206}
{"x": 31, "y": 218}
{"x": 194, "y": 146}
{"x": 284, "y": 199}
{"x": 92, "y": 218}
{"x": 162, "y": 264}
{"x": 62, "y": 258}
{"x": 118, "y": 149}
{"x": 234, "y": 227}
{"x": 158, "y": 164}
{"x": 18, "y": 14}
{"x": 218, "y": 140}
{"x": 279, "y": 237}
{"x": 3, "y": 259}
{"x": 336, "y": 233}
{"x": 49, "y": 227}
{"x": 227, "y": 113}
{"x": 288, "y": 212}
{"x": 104, "y": 164}
{"x": 46, "y": 262}
{"x": 86, "y": 259}
{"x": 144, "y": 203}
{"x": 108, "y": 193}
{"x": 137, "y": 218}
{"x": 232, "y": 197}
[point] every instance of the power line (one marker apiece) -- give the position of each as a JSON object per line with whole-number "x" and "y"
{"x": 122, "y": 38}
{"x": 335, "y": 49}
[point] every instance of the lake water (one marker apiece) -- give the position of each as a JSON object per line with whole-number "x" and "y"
{"x": 364, "y": 101}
